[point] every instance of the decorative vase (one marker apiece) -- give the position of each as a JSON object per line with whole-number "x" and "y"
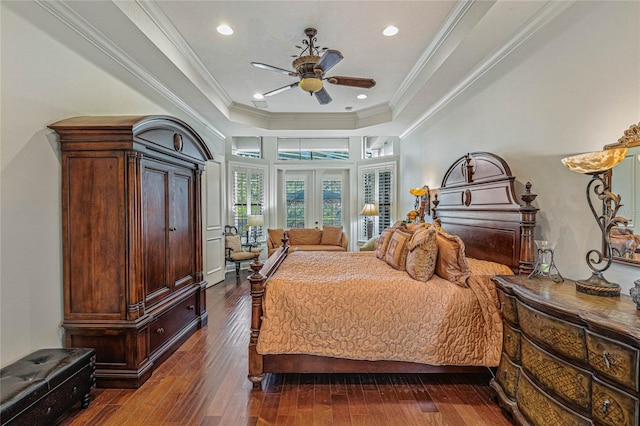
{"x": 635, "y": 293}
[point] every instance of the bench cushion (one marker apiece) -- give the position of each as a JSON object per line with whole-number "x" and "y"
{"x": 31, "y": 378}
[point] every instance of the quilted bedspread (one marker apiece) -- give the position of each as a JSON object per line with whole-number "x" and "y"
{"x": 353, "y": 305}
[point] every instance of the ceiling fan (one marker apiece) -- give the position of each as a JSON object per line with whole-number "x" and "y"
{"x": 310, "y": 67}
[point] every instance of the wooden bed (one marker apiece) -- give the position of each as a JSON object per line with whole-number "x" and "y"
{"x": 477, "y": 201}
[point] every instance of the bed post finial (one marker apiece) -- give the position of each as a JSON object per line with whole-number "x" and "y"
{"x": 527, "y": 234}
{"x": 256, "y": 368}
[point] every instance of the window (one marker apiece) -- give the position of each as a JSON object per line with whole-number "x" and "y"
{"x": 247, "y": 197}
{"x": 377, "y": 146}
{"x": 332, "y": 202}
{"x": 295, "y": 189}
{"x": 377, "y": 187}
{"x": 313, "y": 149}
{"x": 246, "y": 146}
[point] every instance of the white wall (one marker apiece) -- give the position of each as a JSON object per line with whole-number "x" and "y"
{"x": 572, "y": 88}
{"x": 42, "y": 82}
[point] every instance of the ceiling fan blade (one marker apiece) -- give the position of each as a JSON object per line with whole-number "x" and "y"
{"x": 328, "y": 60}
{"x": 272, "y": 68}
{"x": 365, "y": 83}
{"x": 323, "y": 96}
{"x": 282, "y": 89}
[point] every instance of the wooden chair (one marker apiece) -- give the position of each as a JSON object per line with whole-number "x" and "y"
{"x": 233, "y": 248}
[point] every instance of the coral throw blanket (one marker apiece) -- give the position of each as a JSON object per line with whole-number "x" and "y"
{"x": 353, "y": 305}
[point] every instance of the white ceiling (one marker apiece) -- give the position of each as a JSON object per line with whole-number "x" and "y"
{"x": 173, "y": 47}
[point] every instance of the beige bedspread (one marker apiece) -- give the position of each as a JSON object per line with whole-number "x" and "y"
{"x": 353, "y": 305}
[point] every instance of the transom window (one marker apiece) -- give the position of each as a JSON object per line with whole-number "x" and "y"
{"x": 313, "y": 148}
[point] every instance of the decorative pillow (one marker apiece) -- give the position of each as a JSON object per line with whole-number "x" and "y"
{"x": 331, "y": 235}
{"x": 414, "y": 226}
{"x": 370, "y": 245}
{"x": 399, "y": 224}
{"x": 304, "y": 236}
{"x": 382, "y": 243}
{"x": 233, "y": 242}
{"x": 423, "y": 254}
{"x": 396, "y": 255}
{"x": 452, "y": 264}
{"x": 276, "y": 236}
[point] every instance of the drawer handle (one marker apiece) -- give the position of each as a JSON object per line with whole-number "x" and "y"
{"x": 160, "y": 330}
{"x": 173, "y": 228}
{"x": 191, "y": 307}
{"x": 504, "y": 374}
{"x": 605, "y": 357}
{"x": 605, "y": 405}
{"x": 508, "y": 337}
{"x": 502, "y": 307}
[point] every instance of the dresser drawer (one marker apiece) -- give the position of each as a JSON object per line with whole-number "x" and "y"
{"x": 614, "y": 360}
{"x": 507, "y": 375}
{"x": 613, "y": 407}
{"x": 565, "y": 381}
{"x": 508, "y": 307}
{"x": 541, "y": 409}
{"x": 171, "y": 322}
{"x": 566, "y": 338}
{"x": 511, "y": 342}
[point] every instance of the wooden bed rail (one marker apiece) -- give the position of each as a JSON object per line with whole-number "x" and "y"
{"x": 258, "y": 279}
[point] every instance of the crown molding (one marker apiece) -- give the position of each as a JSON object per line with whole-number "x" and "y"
{"x": 80, "y": 26}
{"x": 545, "y": 15}
{"x": 454, "y": 18}
{"x": 173, "y": 35}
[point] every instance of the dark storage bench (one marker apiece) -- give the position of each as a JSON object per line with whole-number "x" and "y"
{"x": 39, "y": 388}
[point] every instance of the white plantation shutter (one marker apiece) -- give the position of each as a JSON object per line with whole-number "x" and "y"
{"x": 377, "y": 187}
{"x": 247, "y": 197}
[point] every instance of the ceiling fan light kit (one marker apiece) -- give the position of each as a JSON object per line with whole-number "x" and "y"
{"x": 310, "y": 68}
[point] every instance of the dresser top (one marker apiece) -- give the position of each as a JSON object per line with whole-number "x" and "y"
{"x": 606, "y": 314}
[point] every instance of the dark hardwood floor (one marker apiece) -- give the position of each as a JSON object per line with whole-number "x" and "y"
{"x": 205, "y": 383}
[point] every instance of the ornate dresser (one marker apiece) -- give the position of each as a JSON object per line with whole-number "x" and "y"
{"x": 132, "y": 240}
{"x": 568, "y": 357}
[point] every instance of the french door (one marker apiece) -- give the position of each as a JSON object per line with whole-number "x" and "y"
{"x": 314, "y": 199}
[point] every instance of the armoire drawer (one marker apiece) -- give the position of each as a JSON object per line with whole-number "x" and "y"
{"x": 566, "y": 338}
{"x": 565, "y": 381}
{"x": 613, "y": 407}
{"x": 171, "y": 322}
{"x": 614, "y": 360}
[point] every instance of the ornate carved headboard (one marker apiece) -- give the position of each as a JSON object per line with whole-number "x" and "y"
{"x": 477, "y": 202}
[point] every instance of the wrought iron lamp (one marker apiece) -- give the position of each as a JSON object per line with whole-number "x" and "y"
{"x": 370, "y": 209}
{"x": 595, "y": 164}
{"x": 422, "y": 203}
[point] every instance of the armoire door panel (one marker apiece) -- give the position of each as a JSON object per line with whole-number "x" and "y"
{"x": 181, "y": 243}
{"x": 155, "y": 224}
{"x": 90, "y": 236}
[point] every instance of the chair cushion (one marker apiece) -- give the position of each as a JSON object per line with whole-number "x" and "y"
{"x": 234, "y": 242}
{"x": 243, "y": 255}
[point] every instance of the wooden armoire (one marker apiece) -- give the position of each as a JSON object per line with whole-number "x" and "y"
{"x": 132, "y": 240}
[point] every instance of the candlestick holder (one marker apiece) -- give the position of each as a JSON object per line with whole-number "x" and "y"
{"x": 545, "y": 265}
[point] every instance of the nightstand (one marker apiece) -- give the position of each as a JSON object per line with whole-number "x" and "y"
{"x": 567, "y": 357}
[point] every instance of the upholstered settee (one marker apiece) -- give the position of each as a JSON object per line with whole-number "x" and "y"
{"x": 330, "y": 238}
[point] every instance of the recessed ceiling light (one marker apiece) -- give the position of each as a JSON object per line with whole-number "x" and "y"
{"x": 362, "y": 96}
{"x": 224, "y": 29}
{"x": 390, "y": 31}
{"x": 258, "y": 96}
{"x": 348, "y": 108}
